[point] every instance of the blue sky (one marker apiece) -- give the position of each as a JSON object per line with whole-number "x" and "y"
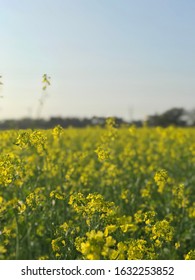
{"x": 105, "y": 57}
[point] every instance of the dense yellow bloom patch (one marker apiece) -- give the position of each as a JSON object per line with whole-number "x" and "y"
{"x": 97, "y": 193}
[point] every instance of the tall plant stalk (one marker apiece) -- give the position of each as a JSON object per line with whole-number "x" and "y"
{"x": 45, "y": 84}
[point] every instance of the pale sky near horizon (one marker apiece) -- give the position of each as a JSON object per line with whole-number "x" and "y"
{"x": 127, "y": 58}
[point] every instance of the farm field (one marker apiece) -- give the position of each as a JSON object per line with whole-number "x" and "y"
{"x": 97, "y": 193}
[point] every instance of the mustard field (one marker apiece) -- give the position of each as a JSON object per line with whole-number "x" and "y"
{"x": 97, "y": 193}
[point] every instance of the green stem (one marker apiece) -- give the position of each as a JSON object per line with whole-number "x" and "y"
{"x": 17, "y": 238}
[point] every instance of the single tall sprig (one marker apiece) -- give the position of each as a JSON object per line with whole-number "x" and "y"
{"x": 1, "y": 84}
{"x": 45, "y": 84}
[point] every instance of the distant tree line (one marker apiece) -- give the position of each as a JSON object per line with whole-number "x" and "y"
{"x": 175, "y": 116}
{"x": 26, "y": 123}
